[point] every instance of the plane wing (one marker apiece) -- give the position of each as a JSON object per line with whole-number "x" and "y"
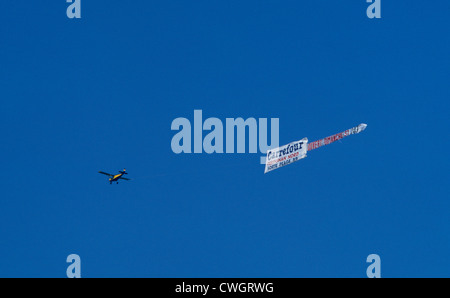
{"x": 124, "y": 178}
{"x": 107, "y": 174}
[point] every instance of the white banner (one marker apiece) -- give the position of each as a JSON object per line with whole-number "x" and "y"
{"x": 287, "y": 154}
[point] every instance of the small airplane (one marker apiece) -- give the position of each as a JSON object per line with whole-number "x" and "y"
{"x": 115, "y": 178}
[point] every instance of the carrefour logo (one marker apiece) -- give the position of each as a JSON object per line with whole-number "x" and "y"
{"x": 289, "y": 149}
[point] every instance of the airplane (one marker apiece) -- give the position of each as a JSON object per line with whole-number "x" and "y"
{"x": 115, "y": 178}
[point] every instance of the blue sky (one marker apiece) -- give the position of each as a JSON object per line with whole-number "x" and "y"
{"x": 100, "y": 93}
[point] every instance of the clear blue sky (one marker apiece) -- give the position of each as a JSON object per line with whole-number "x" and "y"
{"x": 100, "y": 93}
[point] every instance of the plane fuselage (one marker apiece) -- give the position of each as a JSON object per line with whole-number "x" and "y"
{"x": 115, "y": 177}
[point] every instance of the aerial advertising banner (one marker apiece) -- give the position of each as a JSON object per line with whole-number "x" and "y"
{"x": 282, "y": 156}
{"x": 287, "y": 154}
